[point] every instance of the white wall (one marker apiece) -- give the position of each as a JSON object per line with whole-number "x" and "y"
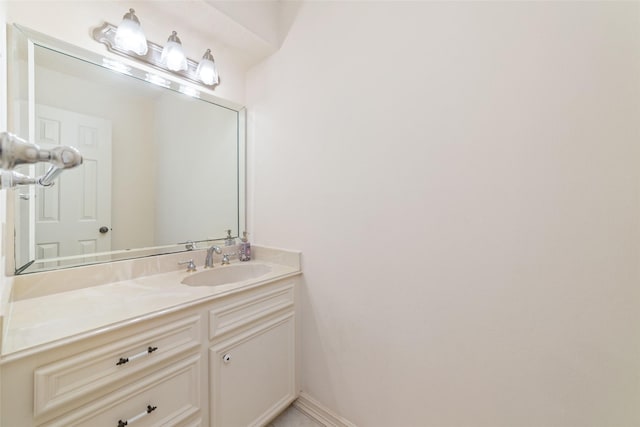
{"x": 3, "y": 126}
{"x": 463, "y": 181}
{"x": 3, "y": 66}
{"x": 3, "y": 118}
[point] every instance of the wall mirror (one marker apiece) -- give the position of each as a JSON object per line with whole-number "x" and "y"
{"x": 164, "y": 161}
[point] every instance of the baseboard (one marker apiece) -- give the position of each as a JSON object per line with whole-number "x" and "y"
{"x": 319, "y": 413}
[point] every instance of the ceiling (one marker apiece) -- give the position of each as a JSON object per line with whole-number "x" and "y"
{"x": 253, "y": 29}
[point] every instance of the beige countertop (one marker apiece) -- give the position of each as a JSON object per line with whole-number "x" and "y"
{"x": 34, "y": 319}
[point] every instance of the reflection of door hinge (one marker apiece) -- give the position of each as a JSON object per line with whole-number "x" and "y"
{"x": 24, "y": 197}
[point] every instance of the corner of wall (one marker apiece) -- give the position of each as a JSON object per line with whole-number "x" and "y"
{"x": 3, "y": 125}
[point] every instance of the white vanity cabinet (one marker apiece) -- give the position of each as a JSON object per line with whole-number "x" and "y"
{"x": 169, "y": 397}
{"x": 149, "y": 372}
{"x": 228, "y": 361}
{"x": 252, "y": 357}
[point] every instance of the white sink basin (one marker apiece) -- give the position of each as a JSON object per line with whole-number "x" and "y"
{"x": 223, "y": 275}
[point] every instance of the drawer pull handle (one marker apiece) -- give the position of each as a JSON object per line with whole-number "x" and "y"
{"x": 124, "y": 360}
{"x": 149, "y": 410}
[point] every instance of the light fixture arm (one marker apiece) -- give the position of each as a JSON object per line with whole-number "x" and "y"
{"x": 105, "y": 34}
{"x": 131, "y": 14}
{"x": 208, "y": 56}
{"x": 174, "y": 38}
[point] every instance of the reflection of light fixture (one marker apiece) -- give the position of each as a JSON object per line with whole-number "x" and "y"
{"x": 116, "y": 66}
{"x": 189, "y": 91}
{"x": 206, "y": 71}
{"x": 130, "y": 36}
{"x": 173, "y": 56}
{"x": 157, "y": 80}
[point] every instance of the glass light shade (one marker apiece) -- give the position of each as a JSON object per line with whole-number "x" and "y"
{"x": 129, "y": 35}
{"x": 173, "y": 56}
{"x": 207, "y": 72}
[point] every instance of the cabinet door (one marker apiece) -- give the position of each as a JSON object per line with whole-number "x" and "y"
{"x": 252, "y": 375}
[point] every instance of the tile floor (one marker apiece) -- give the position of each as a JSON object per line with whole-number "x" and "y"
{"x": 291, "y": 417}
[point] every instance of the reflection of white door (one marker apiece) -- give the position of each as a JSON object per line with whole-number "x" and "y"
{"x": 69, "y": 214}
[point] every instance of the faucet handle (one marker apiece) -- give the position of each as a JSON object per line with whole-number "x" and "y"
{"x": 225, "y": 258}
{"x": 191, "y": 266}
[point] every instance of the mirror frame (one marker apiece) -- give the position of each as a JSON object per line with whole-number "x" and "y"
{"x": 31, "y": 38}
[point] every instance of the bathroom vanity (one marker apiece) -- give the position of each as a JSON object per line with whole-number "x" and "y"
{"x": 136, "y": 340}
{"x": 128, "y": 343}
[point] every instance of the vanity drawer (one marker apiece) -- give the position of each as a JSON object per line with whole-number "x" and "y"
{"x": 167, "y": 397}
{"x": 81, "y": 377}
{"x": 229, "y": 315}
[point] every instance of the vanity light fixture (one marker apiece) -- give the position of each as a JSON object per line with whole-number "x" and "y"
{"x": 207, "y": 72}
{"x": 171, "y": 57}
{"x": 129, "y": 35}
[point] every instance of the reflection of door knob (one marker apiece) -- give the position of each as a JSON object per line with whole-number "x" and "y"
{"x": 104, "y": 229}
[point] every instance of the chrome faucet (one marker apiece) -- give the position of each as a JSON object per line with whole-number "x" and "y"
{"x": 208, "y": 262}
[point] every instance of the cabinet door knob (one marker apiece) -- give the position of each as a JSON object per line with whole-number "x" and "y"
{"x": 226, "y": 358}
